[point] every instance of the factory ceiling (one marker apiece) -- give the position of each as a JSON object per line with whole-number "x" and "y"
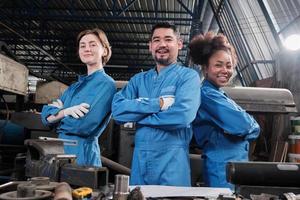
{"x": 41, "y": 34}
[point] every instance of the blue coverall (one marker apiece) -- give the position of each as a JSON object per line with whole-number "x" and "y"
{"x": 97, "y": 90}
{"x": 161, "y": 154}
{"x": 223, "y": 130}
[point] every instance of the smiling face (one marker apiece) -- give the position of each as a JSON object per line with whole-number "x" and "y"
{"x": 91, "y": 50}
{"x": 220, "y": 68}
{"x": 164, "y": 46}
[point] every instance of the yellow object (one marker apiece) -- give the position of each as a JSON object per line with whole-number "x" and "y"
{"x": 81, "y": 193}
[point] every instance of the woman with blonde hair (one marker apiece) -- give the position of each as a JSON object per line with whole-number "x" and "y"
{"x": 83, "y": 110}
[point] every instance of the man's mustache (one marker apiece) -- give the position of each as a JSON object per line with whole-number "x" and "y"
{"x": 162, "y": 48}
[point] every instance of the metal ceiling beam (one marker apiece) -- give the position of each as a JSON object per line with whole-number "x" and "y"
{"x": 47, "y": 28}
{"x": 50, "y": 66}
{"x": 60, "y": 43}
{"x": 33, "y": 61}
{"x": 270, "y": 23}
{"x": 289, "y": 24}
{"x": 62, "y": 31}
{"x": 185, "y": 7}
{"x": 126, "y": 7}
{"x": 33, "y": 44}
{"x": 156, "y": 8}
{"x": 62, "y": 40}
{"x": 127, "y": 46}
{"x": 78, "y": 18}
{"x": 216, "y": 12}
{"x": 73, "y": 57}
{"x": 96, "y": 10}
{"x": 196, "y": 26}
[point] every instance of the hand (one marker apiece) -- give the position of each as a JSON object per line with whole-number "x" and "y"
{"x": 57, "y": 103}
{"x": 167, "y": 101}
{"x": 77, "y": 111}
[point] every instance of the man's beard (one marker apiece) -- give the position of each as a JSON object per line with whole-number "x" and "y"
{"x": 162, "y": 61}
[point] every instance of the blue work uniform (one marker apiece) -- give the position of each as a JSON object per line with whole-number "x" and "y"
{"x": 223, "y": 130}
{"x": 161, "y": 154}
{"x": 97, "y": 90}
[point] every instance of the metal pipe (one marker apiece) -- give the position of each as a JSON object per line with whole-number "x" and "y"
{"x": 115, "y": 166}
{"x": 7, "y": 184}
{"x": 65, "y": 141}
{"x": 264, "y": 173}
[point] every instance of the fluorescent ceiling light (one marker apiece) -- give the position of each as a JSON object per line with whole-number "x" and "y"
{"x": 292, "y": 42}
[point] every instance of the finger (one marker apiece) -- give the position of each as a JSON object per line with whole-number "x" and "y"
{"x": 60, "y": 103}
{"x": 83, "y": 109}
{"x": 85, "y": 105}
{"x": 79, "y": 113}
{"x": 74, "y": 115}
{"x": 54, "y": 104}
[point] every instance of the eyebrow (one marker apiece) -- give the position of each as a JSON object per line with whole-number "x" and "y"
{"x": 219, "y": 61}
{"x": 155, "y": 37}
{"x": 167, "y": 36}
{"x": 93, "y": 41}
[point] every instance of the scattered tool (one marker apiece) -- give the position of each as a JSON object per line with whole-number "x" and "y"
{"x": 82, "y": 193}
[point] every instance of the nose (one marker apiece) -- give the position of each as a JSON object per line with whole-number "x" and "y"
{"x": 224, "y": 69}
{"x": 87, "y": 48}
{"x": 162, "y": 43}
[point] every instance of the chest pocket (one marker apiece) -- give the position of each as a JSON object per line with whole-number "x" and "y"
{"x": 169, "y": 90}
{"x": 83, "y": 98}
{"x": 89, "y": 99}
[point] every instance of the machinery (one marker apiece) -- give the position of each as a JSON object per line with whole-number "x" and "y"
{"x": 255, "y": 178}
{"x": 46, "y": 158}
{"x": 263, "y": 100}
{"x": 13, "y": 76}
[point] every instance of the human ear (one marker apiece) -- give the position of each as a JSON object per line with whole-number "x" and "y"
{"x": 105, "y": 52}
{"x": 180, "y": 43}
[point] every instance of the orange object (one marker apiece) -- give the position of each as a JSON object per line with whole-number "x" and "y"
{"x": 294, "y": 144}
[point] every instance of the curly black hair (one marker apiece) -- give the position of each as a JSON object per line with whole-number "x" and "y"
{"x": 203, "y": 46}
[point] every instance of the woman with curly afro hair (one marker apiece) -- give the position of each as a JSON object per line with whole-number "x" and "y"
{"x": 222, "y": 129}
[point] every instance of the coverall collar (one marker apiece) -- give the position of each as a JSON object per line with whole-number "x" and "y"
{"x": 166, "y": 69}
{"x": 88, "y": 77}
{"x": 211, "y": 85}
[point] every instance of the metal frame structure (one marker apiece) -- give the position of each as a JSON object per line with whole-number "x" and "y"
{"x": 42, "y": 34}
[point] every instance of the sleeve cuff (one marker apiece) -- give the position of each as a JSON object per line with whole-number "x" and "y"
{"x": 155, "y": 106}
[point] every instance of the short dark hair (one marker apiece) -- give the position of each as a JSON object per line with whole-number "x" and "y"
{"x": 164, "y": 25}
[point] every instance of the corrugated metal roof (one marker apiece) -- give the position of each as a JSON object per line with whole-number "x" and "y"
{"x": 42, "y": 34}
